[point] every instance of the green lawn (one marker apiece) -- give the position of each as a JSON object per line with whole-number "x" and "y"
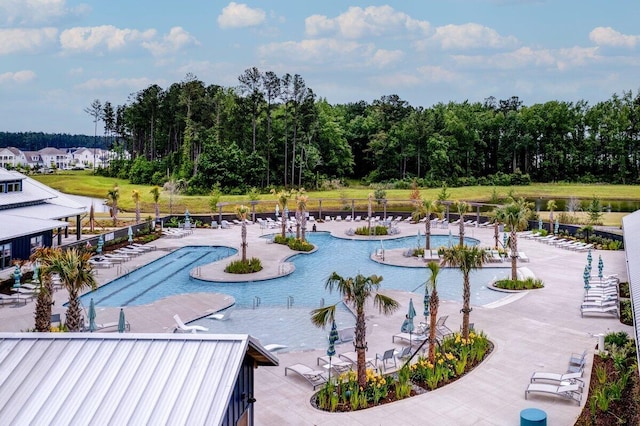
{"x": 85, "y": 183}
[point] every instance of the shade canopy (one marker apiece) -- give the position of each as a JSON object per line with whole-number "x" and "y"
{"x": 92, "y": 316}
{"x": 121, "y": 322}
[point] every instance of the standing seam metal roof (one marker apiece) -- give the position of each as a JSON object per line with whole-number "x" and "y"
{"x": 631, "y": 226}
{"x": 73, "y": 378}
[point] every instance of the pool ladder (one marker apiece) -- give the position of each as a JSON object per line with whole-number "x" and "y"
{"x": 197, "y": 272}
{"x": 289, "y": 302}
{"x": 256, "y": 302}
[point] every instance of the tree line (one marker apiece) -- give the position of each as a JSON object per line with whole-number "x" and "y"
{"x": 272, "y": 130}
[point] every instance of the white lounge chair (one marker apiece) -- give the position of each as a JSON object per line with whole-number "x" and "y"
{"x": 558, "y": 379}
{"x": 611, "y": 309}
{"x": 346, "y": 334}
{"x": 338, "y": 365}
{"x": 352, "y": 357}
{"x": 315, "y": 377}
{"x": 414, "y": 338}
{"x": 187, "y": 328}
{"x": 523, "y": 257}
{"x": 222, "y": 315}
{"x": 572, "y": 392}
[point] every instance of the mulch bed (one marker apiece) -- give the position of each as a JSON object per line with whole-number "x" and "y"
{"x": 626, "y": 411}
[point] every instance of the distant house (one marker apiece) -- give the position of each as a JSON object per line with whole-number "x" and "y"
{"x": 29, "y": 213}
{"x": 34, "y": 160}
{"x": 54, "y": 158}
{"x": 129, "y": 379}
{"x": 12, "y": 157}
{"x": 88, "y": 157}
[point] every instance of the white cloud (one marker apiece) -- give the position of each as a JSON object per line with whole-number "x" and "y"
{"x": 470, "y": 36}
{"x": 318, "y": 51}
{"x": 607, "y": 36}
{"x": 115, "y": 83}
{"x": 357, "y": 22}
{"x": 382, "y": 58}
{"x": 437, "y": 74}
{"x": 239, "y": 15}
{"x": 396, "y": 80}
{"x": 17, "y": 77}
{"x": 87, "y": 39}
{"x": 526, "y": 57}
{"x": 29, "y": 12}
{"x": 172, "y": 42}
{"x": 25, "y": 39}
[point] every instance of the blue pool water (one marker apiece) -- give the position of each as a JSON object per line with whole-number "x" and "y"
{"x": 285, "y": 302}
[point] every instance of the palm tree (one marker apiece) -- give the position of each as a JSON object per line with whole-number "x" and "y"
{"x": 551, "y": 206}
{"x": 425, "y": 209}
{"x": 283, "y": 199}
{"x": 514, "y": 215}
{"x": 113, "y": 196}
{"x": 155, "y": 192}
{"x": 135, "y": 194}
{"x": 355, "y": 291}
{"x": 76, "y": 274}
{"x": 434, "y": 303}
{"x": 242, "y": 212}
{"x": 467, "y": 259}
{"x": 301, "y": 204}
{"x": 461, "y": 207}
{"x": 44, "y": 301}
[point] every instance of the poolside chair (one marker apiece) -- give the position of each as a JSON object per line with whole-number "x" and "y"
{"x": 338, "y": 365}
{"x": 388, "y": 355}
{"x": 346, "y": 334}
{"x": 576, "y": 362}
{"x": 613, "y": 310}
{"x": 352, "y": 357}
{"x": 187, "y": 328}
{"x": 358, "y": 218}
{"x": 441, "y": 328}
{"x": 523, "y": 257}
{"x": 558, "y": 378}
{"x": 404, "y": 354}
{"x": 273, "y": 347}
{"x": 315, "y": 377}
{"x": 414, "y": 338}
{"x": 6, "y": 299}
{"x": 222, "y": 315}
{"x": 572, "y": 392}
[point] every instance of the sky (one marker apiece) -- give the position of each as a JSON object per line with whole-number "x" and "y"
{"x": 57, "y": 56}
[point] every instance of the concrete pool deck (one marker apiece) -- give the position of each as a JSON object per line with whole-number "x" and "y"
{"x": 536, "y": 331}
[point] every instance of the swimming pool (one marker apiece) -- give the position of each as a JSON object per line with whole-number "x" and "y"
{"x": 263, "y": 307}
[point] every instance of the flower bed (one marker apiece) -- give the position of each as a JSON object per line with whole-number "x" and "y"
{"x": 454, "y": 358}
{"x": 526, "y": 284}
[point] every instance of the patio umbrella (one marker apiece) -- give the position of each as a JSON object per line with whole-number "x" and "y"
{"x": 36, "y": 271}
{"x": 504, "y": 240}
{"x": 540, "y": 224}
{"x": 121, "y": 322}
{"x": 418, "y": 242}
{"x": 187, "y": 218}
{"x": 586, "y": 276}
{"x": 100, "y": 245}
{"x": 17, "y": 275}
{"x": 600, "y": 267}
{"x": 277, "y": 211}
{"x": 556, "y": 227}
{"x": 92, "y": 316}
{"x": 410, "y": 316}
{"x": 331, "y": 350}
{"x": 450, "y": 239}
{"x": 426, "y": 302}
{"x": 130, "y": 233}
{"x": 589, "y": 258}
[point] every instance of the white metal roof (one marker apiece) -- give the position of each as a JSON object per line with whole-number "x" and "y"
{"x": 14, "y": 226}
{"x": 631, "y": 226}
{"x": 95, "y": 378}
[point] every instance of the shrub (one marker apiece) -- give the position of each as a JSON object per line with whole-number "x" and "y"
{"x": 527, "y": 284}
{"x": 375, "y": 230}
{"x": 293, "y": 243}
{"x": 244, "y": 267}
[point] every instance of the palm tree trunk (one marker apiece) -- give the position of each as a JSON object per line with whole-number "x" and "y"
{"x": 74, "y": 321}
{"x": 304, "y": 226}
{"x": 433, "y": 319}
{"x": 43, "y": 306}
{"x": 461, "y": 225}
{"x": 244, "y": 240}
{"x": 284, "y": 224}
{"x": 361, "y": 346}
{"x": 427, "y": 234}
{"x": 514, "y": 255}
{"x": 157, "y": 212}
{"x": 496, "y": 234}
{"x": 466, "y": 303}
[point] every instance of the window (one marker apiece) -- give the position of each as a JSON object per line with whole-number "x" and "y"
{"x": 13, "y": 187}
{"x": 5, "y": 255}
{"x": 36, "y": 242}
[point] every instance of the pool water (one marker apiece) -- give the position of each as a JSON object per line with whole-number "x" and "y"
{"x": 277, "y": 310}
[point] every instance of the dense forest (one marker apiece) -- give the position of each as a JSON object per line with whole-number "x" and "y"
{"x": 274, "y": 130}
{"x": 35, "y": 141}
